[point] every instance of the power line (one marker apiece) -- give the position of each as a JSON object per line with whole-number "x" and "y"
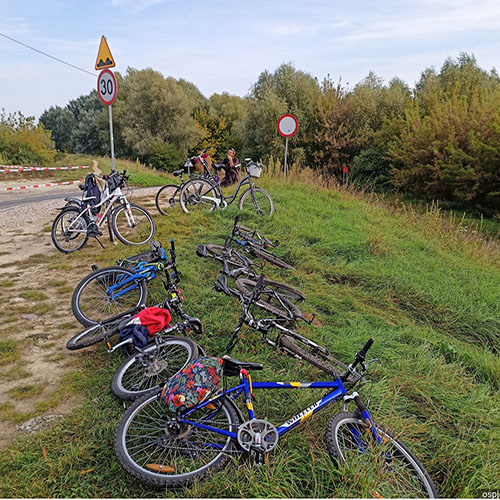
{"x": 48, "y": 55}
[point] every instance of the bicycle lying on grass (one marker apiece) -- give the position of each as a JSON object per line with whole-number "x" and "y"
{"x": 161, "y": 448}
{"x": 110, "y": 290}
{"x": 271, "y": 298}
{"x": 131, "y": 224}
{"x": 286, "y": 339}
{"x": 256, "y": 244}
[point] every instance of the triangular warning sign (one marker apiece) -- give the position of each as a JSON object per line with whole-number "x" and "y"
{"x": 104, "y": 57}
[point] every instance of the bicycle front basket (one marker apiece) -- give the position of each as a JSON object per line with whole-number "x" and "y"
{"x": 132, "y": 261}
{"x": 254, "y": 169}
{"x": 193, "y": 384}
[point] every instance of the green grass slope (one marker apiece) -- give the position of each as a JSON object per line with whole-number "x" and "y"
{"x": 430, "y": 300}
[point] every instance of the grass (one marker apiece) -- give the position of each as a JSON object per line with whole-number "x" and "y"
{"x": 427, "y": 293}
{"x": 9, "y": 352}
{"x": 33, "y": 295}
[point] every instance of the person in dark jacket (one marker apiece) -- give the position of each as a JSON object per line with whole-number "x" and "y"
{"x": 231, "y": 173}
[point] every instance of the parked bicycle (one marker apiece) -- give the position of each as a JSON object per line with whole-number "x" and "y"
{"x": 131, "y": 224}
{"x": 165, "y": 448}
{"x": 168, "y": 196}
{"x": 203, "y": 194}
{"x": 111, "y": 290}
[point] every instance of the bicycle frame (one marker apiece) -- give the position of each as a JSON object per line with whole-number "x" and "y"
{"x": 246, "y": 387}
{"x": 223, "y": 200}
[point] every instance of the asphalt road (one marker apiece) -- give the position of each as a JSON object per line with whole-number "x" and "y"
{"x": 10, "y": 199}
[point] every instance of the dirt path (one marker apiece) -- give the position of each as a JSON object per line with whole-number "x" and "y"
{"x": 36, "y": 284}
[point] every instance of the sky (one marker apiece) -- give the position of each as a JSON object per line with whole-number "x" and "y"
{"x": 224, "y": 45}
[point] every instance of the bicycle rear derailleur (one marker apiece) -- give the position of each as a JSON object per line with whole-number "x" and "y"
{"x": 257, "y": 437}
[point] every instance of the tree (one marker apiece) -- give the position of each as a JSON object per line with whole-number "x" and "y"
{"x": 287, "y": 90}
{"x": 60, "y": 122}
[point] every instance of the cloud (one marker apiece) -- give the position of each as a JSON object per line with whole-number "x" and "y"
{"x": 293, "y": 29}
{"x": 439, "y": 18}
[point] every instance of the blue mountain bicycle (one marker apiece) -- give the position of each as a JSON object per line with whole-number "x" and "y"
{"x": 109, "y": 291}
{"x": 164, "y": 448}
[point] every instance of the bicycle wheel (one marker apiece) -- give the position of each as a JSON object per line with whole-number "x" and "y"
{"x": 313, "y": 353}
{"x": 144, "y": 371}
{"x": 387, "y": 469}
{"x": 260, "y": 202}
{"x": 167, "y": 197}
{"x": 93, "y": 301}
{"x": 69, "y": 230}
{"x": 132, "y": 225}
{"x": 91, "y": 335}
{"x": 287, "y": 291}
{"x": 268, "y": 299}
{"x": 153, "y": 447}
{"x": 269, "y": 257}
{"x": 198, "y": 195}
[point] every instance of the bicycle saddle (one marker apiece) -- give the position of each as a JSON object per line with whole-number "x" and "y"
{"x": 232, "y": 366}
{"x": 201, "y": 251}
{"x": 178, "y": 172}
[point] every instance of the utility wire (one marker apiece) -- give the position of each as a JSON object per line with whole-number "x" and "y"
{"x": 48, "y": 55}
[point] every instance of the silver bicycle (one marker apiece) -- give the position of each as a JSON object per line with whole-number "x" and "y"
{"x": 80, "y": 219}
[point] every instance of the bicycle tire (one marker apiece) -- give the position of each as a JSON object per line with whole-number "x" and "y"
{"x": 312, "y": 356}
{"x": 269, "y": 257}
{"x": 98, "y": 306}
{"x": 344, "y": 433}
{"x": 287, "y": 291}
{"x": 71, "y": 212}
{"x": 191, "y": 196}
{"x": 268, "y": 300}
{"x": 132, "y": 235}
{"x": 253, "y": 204}
{"x": 167, "y": 197}
{"x": 145, "y": 424}
{"x": 91, "y": 335}
{"x": 142, "y": 372}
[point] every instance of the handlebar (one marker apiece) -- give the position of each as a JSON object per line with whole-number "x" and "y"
{"x": 359, "y": 358}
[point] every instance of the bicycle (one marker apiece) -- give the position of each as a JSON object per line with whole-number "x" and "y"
{"x": 202, "y": 194}
{"x": 256, "y": 244}
{"x": 168, "y": 196}
{"x": 110, "y": 290}
{"x": 235, "y": 265}
{"x": 286, "y": 339}
{"x": 162, "y": 448}
{"x": 131, "y": 224}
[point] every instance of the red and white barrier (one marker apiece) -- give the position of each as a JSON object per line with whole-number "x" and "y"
{"x": 41, "y": 185}
{"x": 14, "y": 168}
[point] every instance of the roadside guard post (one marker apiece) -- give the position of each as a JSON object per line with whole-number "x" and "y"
{"x": 345, "y": 171}
{"x": 106, "y": 87}
{"x": 287, "y": 126}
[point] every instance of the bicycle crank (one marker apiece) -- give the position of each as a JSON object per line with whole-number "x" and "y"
{"x": 257, "y": 437}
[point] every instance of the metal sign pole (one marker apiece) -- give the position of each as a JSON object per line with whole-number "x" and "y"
{"x": 286, "y": 153}
{"x": 111, "y": 139}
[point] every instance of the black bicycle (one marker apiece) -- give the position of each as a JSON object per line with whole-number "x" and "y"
{"x": 286, "y": 339}
{"x": 272, "y": 296}
{"x": 169, "y": 196}
{"x": 199, "y": 195}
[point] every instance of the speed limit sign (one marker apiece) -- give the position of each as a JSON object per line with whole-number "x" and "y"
{"x": 106, "y": 86}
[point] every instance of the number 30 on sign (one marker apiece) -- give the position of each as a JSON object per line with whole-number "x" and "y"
{"x": 106, "y": 87}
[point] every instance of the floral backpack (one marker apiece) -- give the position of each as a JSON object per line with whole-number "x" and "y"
{"x": 193, "y": 384}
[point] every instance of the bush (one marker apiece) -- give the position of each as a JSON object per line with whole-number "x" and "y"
{"x": 371, "y": 168}
{"x": 163, "y": 156}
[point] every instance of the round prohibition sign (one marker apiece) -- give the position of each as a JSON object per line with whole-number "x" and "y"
{"x": 106, "y": 87}
{"x": 287, "y": 125}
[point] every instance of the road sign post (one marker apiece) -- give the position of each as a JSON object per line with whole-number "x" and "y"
{"x": 287, "y": 127}
{"x": 106, "y": 88}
